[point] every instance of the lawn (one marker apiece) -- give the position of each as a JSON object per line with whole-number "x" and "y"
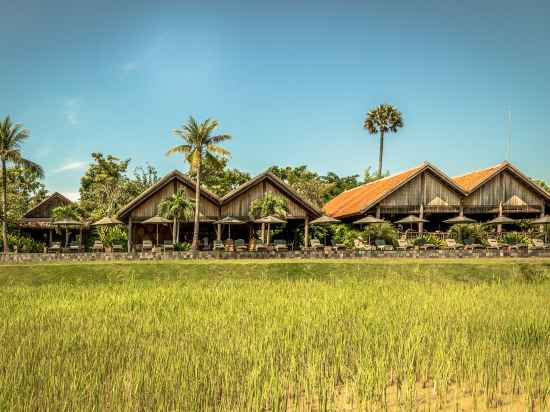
{"x": 268, "y": 335}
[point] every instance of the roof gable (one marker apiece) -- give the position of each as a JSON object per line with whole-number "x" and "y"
{"x": 39, "y": 210}
{"x": 170, "y": 177}
{"x": 277, "y": 182}
{"x": 359, "y": 199}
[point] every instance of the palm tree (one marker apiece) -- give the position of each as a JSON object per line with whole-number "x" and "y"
{"x": 11, "y": 137}
{"x": 199, "y": 144}
{"x": 269, "y": 205}
{"x": 178, "y": 207}
{"x": 383, "y": 119}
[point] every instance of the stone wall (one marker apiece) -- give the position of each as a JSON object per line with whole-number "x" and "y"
{"x": 140, "y": 256}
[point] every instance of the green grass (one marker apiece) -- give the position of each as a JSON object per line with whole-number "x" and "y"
{"x": 277, "y": 335}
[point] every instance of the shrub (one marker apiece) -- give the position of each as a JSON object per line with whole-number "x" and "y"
{"x": 344, "y": 234}
{"x": 428, "y": 240}
{"x": 23, "y": 243}
{"x": 515, "y": 238}
{"x": 469, "y": 233}
{"x": 112, "y": 234}
{"x": 385, "y": 231}
{"x": 182, "y": 247}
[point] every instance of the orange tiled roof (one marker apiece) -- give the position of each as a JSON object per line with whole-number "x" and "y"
{"x": 472, "y": 180}
{"x": 355, "y": 200}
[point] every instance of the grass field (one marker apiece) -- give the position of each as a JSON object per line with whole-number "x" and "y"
{"x": 266, "y": 335}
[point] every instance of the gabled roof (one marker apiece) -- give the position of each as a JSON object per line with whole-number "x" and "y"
{"x": 472, "y": 181}
{"x": 174, "y": 175}
{"x": 277, "y": 182}
{"x": 359, "y": 199}
{"x": 53, "y": 196}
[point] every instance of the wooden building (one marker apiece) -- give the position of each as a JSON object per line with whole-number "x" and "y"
{"x": 424, "y": 191}
{"x": 235, "y": 204}
{"x": 38, "y": 221}
{"x": 502, "y": 190}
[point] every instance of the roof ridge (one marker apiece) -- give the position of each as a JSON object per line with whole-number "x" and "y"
{"x": 505, "y": 163}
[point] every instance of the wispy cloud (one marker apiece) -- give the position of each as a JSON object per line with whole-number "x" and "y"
{"x": 78, "y": 165}
{"x": 71, "y": 111}
{"x": 74, "y": 196}
{"x": 129, "y": 67}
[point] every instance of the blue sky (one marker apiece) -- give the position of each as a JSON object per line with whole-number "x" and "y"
{"x": 290, "y": 80}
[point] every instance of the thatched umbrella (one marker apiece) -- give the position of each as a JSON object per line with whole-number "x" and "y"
{"x": 108, "y": 221}
{"x": 156, "y": 220}
{"x": 369, "y": 220}
{"x": 459, "y": 220}
{"x": 66, "y": 222}
{"x": 411, "y": 220}
{"x": 229, "y": 220}
{"x": 325, "y": 220}
{"x": 501, "y": 220}
{"x": 544, "y": 221}
{"x": 269, "y": 220}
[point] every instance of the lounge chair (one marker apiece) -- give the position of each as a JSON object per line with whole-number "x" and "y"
{"x": 147, "y": 245}
{"x": 205, "y": 245}
{"x": 337, "y": 246}
{"x": 260, "y": 246}
{"x": 240, "y": 246}
{"x": 55, "y": 247}
{"x": 98, "y": 246}
{"x": 167, "y": 245}
{"x": 117, "y": 247}
{"x": 280, "y": 245}
{"x": 358, "y": 244}
{"x": 75, "y": 246}
{"x": 538, "y": 244}
{"x": 453, "y": 244}
{"x": 404, "y": 244}
{"x": 493, "y": 244}
{"x": 218, "y": 245}
{"x": 471, "y": 245}
{"x": 316, "y": 245}
{"x": 381, "y": 245}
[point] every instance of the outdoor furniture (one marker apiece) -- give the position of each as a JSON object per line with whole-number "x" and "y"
{"x": 471, "y": 245}
{"x": 218, "y": 245}
{"x": 116, "y": 247}
{"x": 98, "y": 246}
{"x": 493, "y": 244}
{"x": 381, "y": 245}
{"x": 426, "y": 246}
{"x": 538, "y": 244}
{"x": 147, "y": 245}
{"x": 280, "y": 245}
{"x": 75, "y": 247}
{"x": 260, "y": 245}
{"x": 205, "y": 245}
{"x": 337, "y": 246}
{"x": 358, "y": 244}
{"x": 167, "y": 245}
{"x": 316, "y": 245}
{"x": 229, "y": 245}
{"x": 453, "y": 244}
{"x": 240, "y": 246}
{"x": 55, "y": 247}
{"x": 404, "y": 244}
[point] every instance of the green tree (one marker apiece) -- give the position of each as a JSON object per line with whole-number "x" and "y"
{"x": 199, "y": 143}
{"x": 11, "y": 137}
{"x": 338, "y": 185}
{"x": 269, "y": 205}
{"x": 218, "y": 177}
{"x": 383, "y": 119}
{"x": 369, "y": 177}
{"x": 305, "y": 182}
{"x": 25, "y": 190}
{"x": 179, "y": 208}
{"x": 542, "y": 184}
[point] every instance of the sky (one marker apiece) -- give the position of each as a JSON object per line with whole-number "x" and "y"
{"x": 291, "y": 81}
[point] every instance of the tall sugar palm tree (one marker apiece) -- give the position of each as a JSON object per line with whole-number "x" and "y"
{"x": 178, "y": 207}
{"x": 383, "y": 119}
{"x": 11, "y": 137}
{"x": 199, "y": 143}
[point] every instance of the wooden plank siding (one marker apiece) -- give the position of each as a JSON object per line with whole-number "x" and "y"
{"x": 239, "y": 206}
{"x": 150, "y": 206}
{"x": 45, "y": 208}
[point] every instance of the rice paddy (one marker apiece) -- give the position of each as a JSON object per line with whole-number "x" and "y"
{"x": 310, "y": 335}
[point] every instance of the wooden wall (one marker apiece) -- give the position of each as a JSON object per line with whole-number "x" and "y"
{"x": 427, "y": 189}
{"x": 45, "y": 209}
{"x": 149, "y": 207}
{"x": 240, "y": 206}
{"x": 505, "y": 188}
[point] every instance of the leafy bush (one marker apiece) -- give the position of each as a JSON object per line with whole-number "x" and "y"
{"x": 385, "y": 231}
{"x": 182, "y": 247}
{"x": 344, "y": 234}
{"x": 23, "y": 243}
{"x": 109, "y": 235}
{"x": 469, "y": 233}
{"x": 428, "y": 240}
{"x": 515, "y": 238}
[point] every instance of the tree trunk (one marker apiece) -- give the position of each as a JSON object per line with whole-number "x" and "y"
{"x": 4, "y": 206}
{"x": 178, "y": 233}
{"x": 381, "y": 155}
{"x": 174, "y": 238}
{"x": 195, "y": 244}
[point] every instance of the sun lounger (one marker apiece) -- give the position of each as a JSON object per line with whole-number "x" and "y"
{"x": 381, "y": 245}
{"x": 453, "y": 244}
{"x": 260, "y": 246}
{"x": 75, "y": 247}
{"x": 404, "y": 244}
{"x": 167, "y": 245}
{"x": 493, "y": 244}
{"x": 316, "y": 245}
{"x": 98, "y": 246}
{"x": 147, "y": 245}
{"x": 218, "y": 245}
{"x": 337, "y": 246}
{"x": 240, "y": 246}
{"x": 117, "y": 247}
{"x": 280, "y": 245}
{"x": 538, "y": 244}
{"x": 205, "y": 245}
{"x": 55, "y": 247}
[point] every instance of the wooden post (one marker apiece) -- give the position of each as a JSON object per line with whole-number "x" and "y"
{"x": 130, "y": 234}
{"x": 378, "y": 212}
{"x": 263, "y": 232}
{"x": 541, "y": 228}
{"x": 51, "y": 237}
{"x": 499, "y": 226}
{"x": 219, "y": 233}
{"x": 306, "y": 233}
{"x": 421, "y": 224}
{"x": 461, "y": 210}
